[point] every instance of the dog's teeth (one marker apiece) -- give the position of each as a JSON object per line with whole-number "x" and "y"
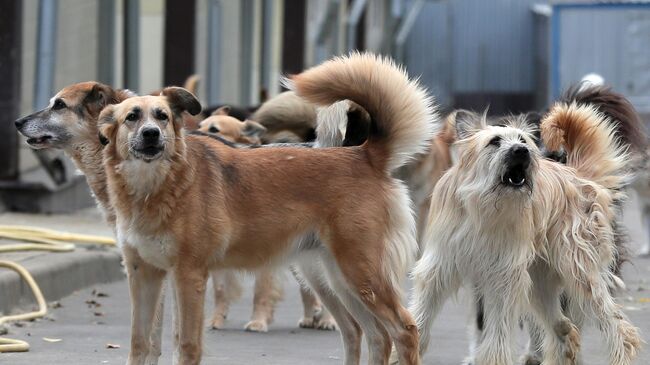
{"x": 517, "y": 183}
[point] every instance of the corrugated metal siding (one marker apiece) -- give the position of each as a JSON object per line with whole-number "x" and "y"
{"x": 427, "y": 52}
{"x": 485, "y": 46}
{"x": 612, "y": 41}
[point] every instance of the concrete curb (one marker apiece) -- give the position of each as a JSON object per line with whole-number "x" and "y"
{"x": 59, "y": 275}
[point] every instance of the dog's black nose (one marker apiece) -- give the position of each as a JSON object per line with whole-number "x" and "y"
{"x": 150, "y": 135}
{"x": 20, "y": 123}
{"x": 519, "y": 151}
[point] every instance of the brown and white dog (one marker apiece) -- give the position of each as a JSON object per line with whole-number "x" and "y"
{"x": 187, "y": 204}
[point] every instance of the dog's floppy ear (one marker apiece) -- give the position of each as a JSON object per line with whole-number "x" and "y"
{"x": 181, "y": 100}
{"x": 106, "y": 124}
{"x": 467, "y": 123}
{"x": 253, "y": 129}
{"x": 224, "y": 110}
{"x": 98, "y": 97}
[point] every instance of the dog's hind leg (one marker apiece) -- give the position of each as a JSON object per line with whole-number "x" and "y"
{"x": 227, "y": 289}
{"x": 561, "y": 338}
{"x": 370, "y": 285}
{"x": 593, "y": 294}
{"x": 268, "y": 291}
{"x": 313, "y": 273}
{"x": 145, "y": 286}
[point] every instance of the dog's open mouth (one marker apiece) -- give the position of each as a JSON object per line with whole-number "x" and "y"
{"x": 41, "y": 141}
{"x": 150, "y": 153}
{"x": 515, "y": 176}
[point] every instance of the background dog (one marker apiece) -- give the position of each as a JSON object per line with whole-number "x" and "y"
{"x": 501, "y": 181}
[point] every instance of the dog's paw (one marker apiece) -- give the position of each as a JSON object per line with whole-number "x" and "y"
{"x": 326, "y": 323}
{"x": 531, "y": 359}
{"x": 469, "y": 360}
{"x": 256, "y": 326}
{"x": 217, "y": 322}
{"x": 570, "y": 337}
{"x": 151, "y": 360}
{"x": 631, "y": 341}
{"x": 307, "y": 322}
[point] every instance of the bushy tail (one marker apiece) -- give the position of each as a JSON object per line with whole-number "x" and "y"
{"x": 402, "y": 115}
{"x": 590, "y": 141}
{"x": 629, "y": 127}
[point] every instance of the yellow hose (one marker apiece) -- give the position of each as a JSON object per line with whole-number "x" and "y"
{"x": 39, "y": 239}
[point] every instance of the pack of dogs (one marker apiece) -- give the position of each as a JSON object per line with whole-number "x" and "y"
{"x": 354, "y": 180}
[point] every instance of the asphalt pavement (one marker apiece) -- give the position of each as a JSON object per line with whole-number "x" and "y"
{"x": 83, "y": 325}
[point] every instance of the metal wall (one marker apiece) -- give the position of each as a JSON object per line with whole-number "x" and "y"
{"x": 474, "y": 46}
{"x": 612, "y": 40}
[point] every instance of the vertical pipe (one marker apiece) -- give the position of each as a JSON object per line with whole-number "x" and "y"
{"x": 45, "y": 52}
{"x": 11, "y": 17}
{"x": 180, "y": 17}
{"x": 132, "y": 44}
{"x": 246, "y": 30}
{"x": 214, "y": 51}
{"x": 106, "y": 40}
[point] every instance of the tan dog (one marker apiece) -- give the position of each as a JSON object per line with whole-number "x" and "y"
{"x": 189, "y": 204}
{"x": 247, "y": 132}
{"x": 287, "y": 118}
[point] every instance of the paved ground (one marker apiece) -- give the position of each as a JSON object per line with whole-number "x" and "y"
{"x": 86, "y": 330}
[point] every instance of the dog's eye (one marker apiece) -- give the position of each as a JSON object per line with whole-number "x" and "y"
{"x": 495, "y": 141}
{"x": 58, "y": 104}
{"x": 132, "y": 117}
{"x": 522, "y": 140}
{"x": 161, "y": 115}
{"x": 213, "y": 130}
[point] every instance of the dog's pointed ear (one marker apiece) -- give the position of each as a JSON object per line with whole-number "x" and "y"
{"x": 98, "y": 97}
{"x": 253, "y": 129}
{"x": 224, "y": 110}
{"x": 106, "y": 124}
{"x": 467, "y": 123}
{"x": 181, "y": 100}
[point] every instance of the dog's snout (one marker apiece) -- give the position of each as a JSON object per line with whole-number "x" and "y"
{"x": 150, "y": 135}
{"x": 520, "y": 151}
{"x": 20, "y": 123}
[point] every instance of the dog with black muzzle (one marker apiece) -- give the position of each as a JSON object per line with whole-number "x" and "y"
{"x": 522, "y": 229}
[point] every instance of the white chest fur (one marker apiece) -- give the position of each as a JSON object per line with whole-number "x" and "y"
{"x": 156, "y": 249}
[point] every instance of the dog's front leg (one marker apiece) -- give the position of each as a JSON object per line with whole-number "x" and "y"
{"x": 190, "y": 280}
{"x": 505, "y": 295}
{"x": 145, "y": 285}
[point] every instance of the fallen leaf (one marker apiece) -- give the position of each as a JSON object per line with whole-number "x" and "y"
{"x": 52, "y": 339}
{"x": 112, "y": 346}
{"x": 98, "y": 314}
{"x": 644, "y": 300}
{"x": 56, "y": 305}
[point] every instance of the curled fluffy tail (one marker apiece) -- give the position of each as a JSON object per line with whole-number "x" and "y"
{"x": 629, "y": 127}
{"x": 589, "y": 138}
{"x": 402, "y": 115}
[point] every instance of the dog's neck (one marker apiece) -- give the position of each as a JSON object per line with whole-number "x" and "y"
{"x": 148, "y": 190}
{"x": 87, "y": 156}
